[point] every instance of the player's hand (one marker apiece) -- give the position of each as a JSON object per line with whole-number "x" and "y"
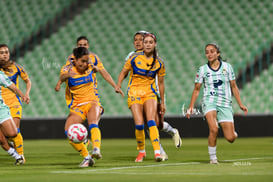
{"x": 24, "y": 99}
{"x": 118, "y": 90}
{"x": 27, "y": 98}
{"x": 189, "y": 112}
{"x": 244, "y": 108}
{"x": 57, "y": 87}
{"x": 162, "y": 108}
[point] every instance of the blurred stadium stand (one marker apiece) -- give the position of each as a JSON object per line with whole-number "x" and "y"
{"x": 243, "y": 29}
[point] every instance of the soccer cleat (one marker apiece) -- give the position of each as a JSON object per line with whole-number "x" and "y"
{"x": 19, "y": 161}
{"x": 164, "y": 157}
{"x": 140, "y": 157}
{"x": 158, "y": 158}
{"x": 96, "y": 153}
{"x": 214, "y": 161}
{"x": 87, "y": 162}
{"x": 177, "y": 140}
{"x": 24, "y": 160}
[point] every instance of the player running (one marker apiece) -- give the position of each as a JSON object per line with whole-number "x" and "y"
{"x": 7, "y": 125}
{"x": 219, "y": 80}
{"x": 14, "y": 71}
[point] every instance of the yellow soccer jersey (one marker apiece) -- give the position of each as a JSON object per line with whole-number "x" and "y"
{"x": 81, "y": 88}
{"x": 14, "y": 71}
{"x": 93, "y": 58}
{"x": 142, "y": 81}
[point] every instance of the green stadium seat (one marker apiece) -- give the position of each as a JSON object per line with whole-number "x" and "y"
{"x": 182, "y": 31}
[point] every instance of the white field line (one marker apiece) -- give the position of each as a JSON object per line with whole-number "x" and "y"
{"x": 129, "y": 167}
{"x": 112, "y": 170}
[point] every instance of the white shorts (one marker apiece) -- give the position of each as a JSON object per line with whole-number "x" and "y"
{"x": 4, "y": 113}
{"x": 224, "y": 114}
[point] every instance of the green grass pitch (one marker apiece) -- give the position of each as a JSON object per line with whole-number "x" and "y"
{"x": 248, "y": 159}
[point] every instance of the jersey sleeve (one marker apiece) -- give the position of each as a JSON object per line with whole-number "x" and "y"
{"x": 4, "y": 80}
{"x": 96, "y": 62}
{"x": 199, "y": 76}
{"x": 162, "y": 70}
{"x": 231, "y": 74}
{"x": 65, "y": 69}
{"x": 128, "y": 64}
{"x": 22, "y": 71}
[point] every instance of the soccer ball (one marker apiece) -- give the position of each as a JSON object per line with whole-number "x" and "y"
{"x": 77, "y": 133}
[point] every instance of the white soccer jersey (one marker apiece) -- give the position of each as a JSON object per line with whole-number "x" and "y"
{"x": 129, "y": 55}
{"x": 216, "y": 83}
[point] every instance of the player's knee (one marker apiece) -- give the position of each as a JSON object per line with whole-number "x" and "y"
{"x": 231, "y": 138}
{"x": 12, "y": 134}
{"x": 213, "y": 131}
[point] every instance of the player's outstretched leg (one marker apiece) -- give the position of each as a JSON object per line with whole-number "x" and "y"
{"x": 174, "y": 133}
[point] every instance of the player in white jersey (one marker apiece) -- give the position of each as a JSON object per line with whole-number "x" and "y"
{"x": 219, "y": 80}
{"x": 7, "y": 125}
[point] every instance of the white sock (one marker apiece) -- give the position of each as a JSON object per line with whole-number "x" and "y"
{"x": 12, "y": 152}
{"x": 157, "y": 151}
{"x": 168, "y": 128}
{"x": 236, "y": 134}
{"x": 161, "y": 149}
{"x": 88, "y": 157}
{"x": 142, "y": 151}
{"x": 212, "y": 153}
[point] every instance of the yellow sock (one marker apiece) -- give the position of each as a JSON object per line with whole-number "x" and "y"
{"x": 140, "y": 137}
{"x": 18, "y": 143}
{"x": 95, "y": 135}
{"x": 154, "y": 134}
{"x": 80, "y": 147}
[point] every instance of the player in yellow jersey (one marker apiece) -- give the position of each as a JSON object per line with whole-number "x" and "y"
{"x": 82, "y": 41}
{"x": 83, "y": 100}
{"x": 142, "y": 93}
{"x": 14, "y": 71}
{"x": 7, "y": 125}
{"x": 161, "y": 123}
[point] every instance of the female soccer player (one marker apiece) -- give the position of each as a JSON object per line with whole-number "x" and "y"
{"x": 83, "y": 41}
{"x": 142, "y": 96}
{"x": 83, "y": 101}
{"x": 219, "y": 80}
{"x": 13, "y": 71}
{"x": 161, "y": 124}
{"x": 7, "y": 125}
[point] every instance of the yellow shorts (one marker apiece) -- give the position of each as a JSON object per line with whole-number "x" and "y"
{"x": 139, "y": 100}
{"x": 16, "y": 111}
{"x": 82, "y": 110}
